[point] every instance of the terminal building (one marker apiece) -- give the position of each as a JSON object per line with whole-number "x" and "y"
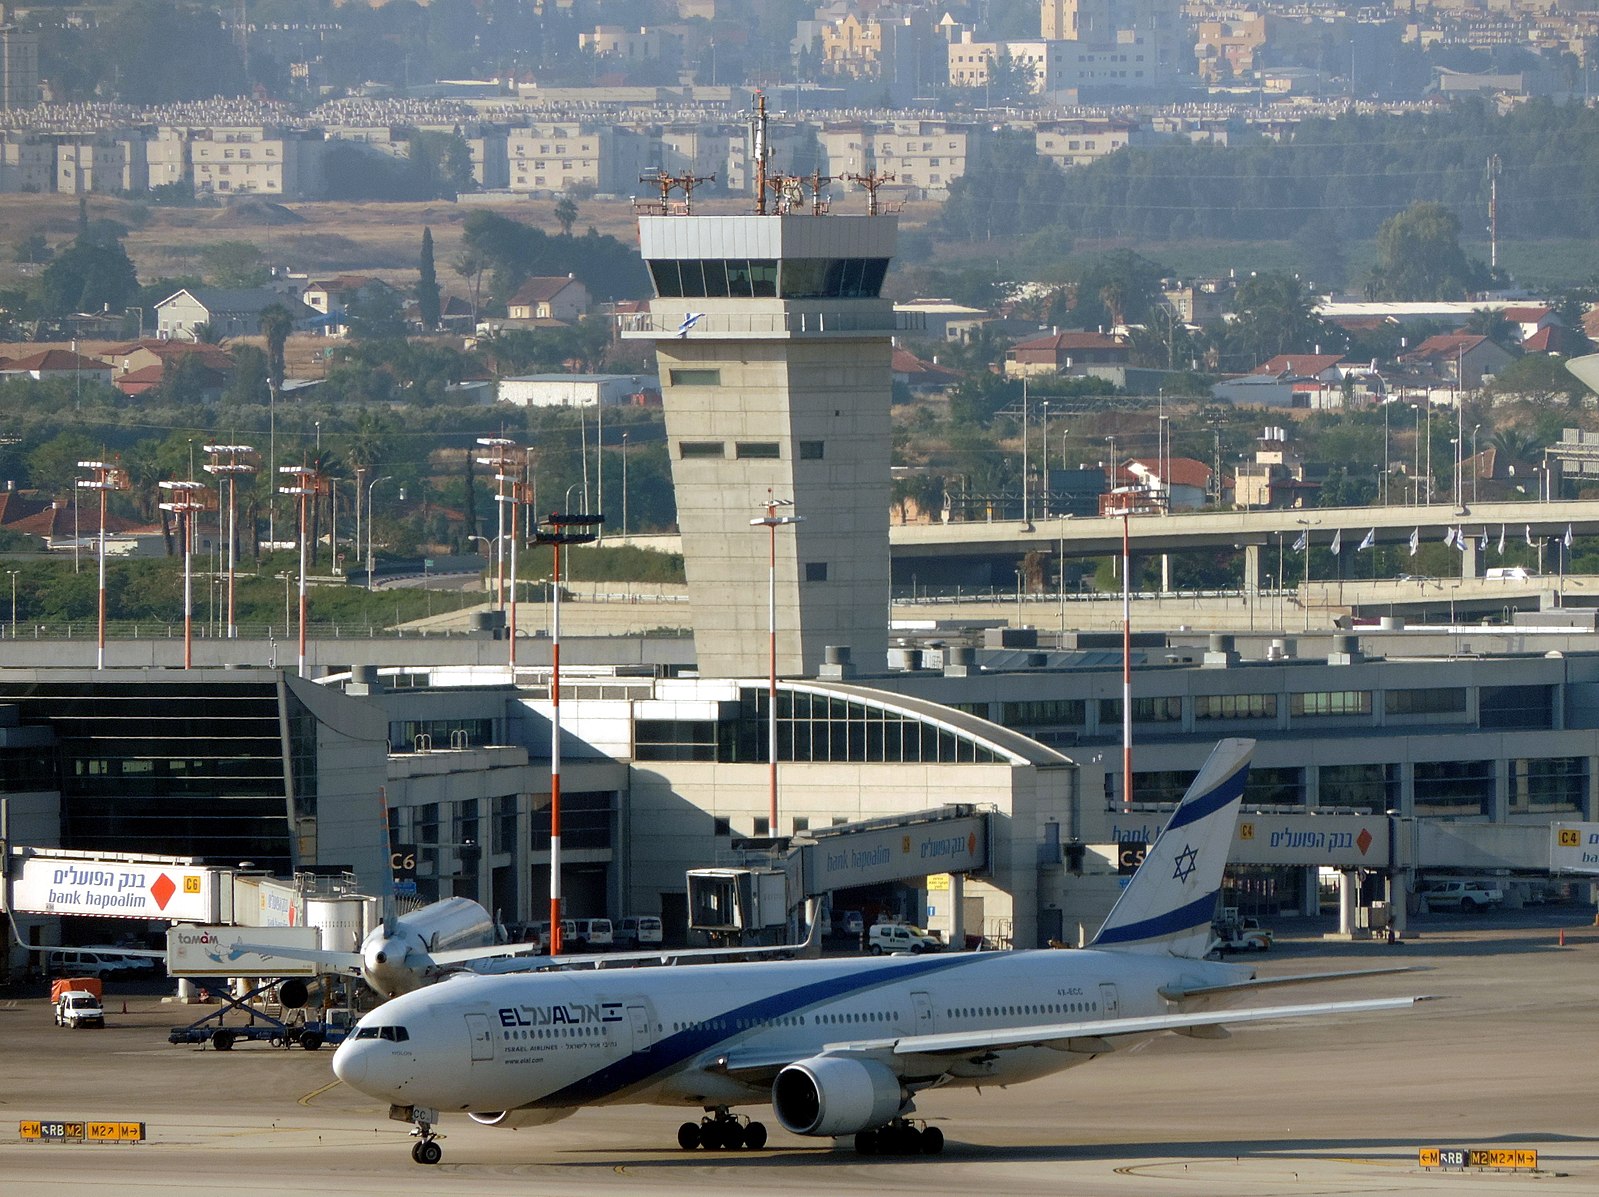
{"x": 774, "y": 350}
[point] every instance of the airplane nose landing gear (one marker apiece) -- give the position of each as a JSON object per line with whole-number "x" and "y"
{"x": 426, "y": 1149}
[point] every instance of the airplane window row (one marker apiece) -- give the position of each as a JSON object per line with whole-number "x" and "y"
{"x": 1010, "y": 1011}
{"x": 862, "y": 1016}
{"x": 392, "y": 1034}
{"x": 553, "y": 1033}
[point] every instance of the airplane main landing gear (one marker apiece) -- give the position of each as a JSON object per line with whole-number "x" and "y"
{"x": 724, "y": 1130}
{"x": 426, "y": 1149}
{"x": 900, "y": 1137}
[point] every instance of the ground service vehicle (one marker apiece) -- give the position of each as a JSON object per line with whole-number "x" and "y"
{"x": 639, "y": 931}
{"x": 1235, "y": 934}
{"x": 79, "y": 1008}
{"x": 1468, "y": 897}
{"x": 593, "y": 935}
{"x": 901, "y": 937}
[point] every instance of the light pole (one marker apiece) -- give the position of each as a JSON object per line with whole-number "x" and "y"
{"x": 231, "y": 469}
{"x": 561, "y": 528}
{"x": 771, "y": 521}
{"x": 369, "y": 522}
{"x": 500, "y": 458}
{"x": 1387, "y": 461}
{"x": 1043, "y": 480}
{"x": 187, "y": 499}
{"x": 1415, "y": 473}
{"x": 624, "y": 483}
{"x": 1125, "y": 508}
{"x": 1455, "y": 448}
{"x": 106, "y": 478}
{"x": 516, "y": 495}
{"x": 307, "y": 483}
{"x": 1305, "y": 601}
{"x": 13, "y": 573}
{"x": 1474, "y": 459}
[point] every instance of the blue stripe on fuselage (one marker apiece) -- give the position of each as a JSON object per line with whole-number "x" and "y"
{"x": 675, "y": 1049}
{"x": 1229, "y": 789}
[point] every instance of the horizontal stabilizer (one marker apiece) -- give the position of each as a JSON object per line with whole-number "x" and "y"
{"x": 346, "y": 963}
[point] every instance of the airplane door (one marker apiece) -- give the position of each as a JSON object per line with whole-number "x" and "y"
{"x": 640, "y": 1019}
{"x": 481, "y": 1035}
{"x": 1109, "y": 1007}
{"x": 923, "y": 1006}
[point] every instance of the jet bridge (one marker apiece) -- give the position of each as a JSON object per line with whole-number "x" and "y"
{"x": 754, "y": 900}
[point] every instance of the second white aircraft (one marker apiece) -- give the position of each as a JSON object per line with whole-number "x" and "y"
{"x": 836, "y": 1047}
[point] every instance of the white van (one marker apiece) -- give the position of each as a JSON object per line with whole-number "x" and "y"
{"x": 639, "y": 931}
{"x": 901, "y": 937}
{"x": 593, "y": 934}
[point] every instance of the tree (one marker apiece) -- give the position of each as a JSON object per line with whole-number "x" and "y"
{"x": 1274, "y": 316}
{"x": 375, "y": 315}
{"x": 90, "y": 276}
{"x": 277, "y": 322}
{"x": 566, "y": 214}
{"x": 427, "y": 285}
{"x": 1493, "y": 324}
{"x": 1419, "y": 257}
{"x": 235, "y": 264}
{"x": 470, "y": 265}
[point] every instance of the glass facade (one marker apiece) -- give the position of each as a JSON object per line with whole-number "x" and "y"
{"x": 1516, "y": 707}
{"x": 1432, "y": 701}
{"x": 766, "y": 278}
{"x": 1234, "y": 706}
{"x": 587, "y": 818}
{"x": 1373, "y": 788}
{"x": 1329, "y": 702}
{"x": 420, "y": 735}
{"x": 810, "y": 727}
{"x": 1454, "y": 788}
{"x": 196, "y": 769}
{"x": 1556, "y": 784}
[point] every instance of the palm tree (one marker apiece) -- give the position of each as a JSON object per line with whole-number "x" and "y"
{"x": 277, "y": 322}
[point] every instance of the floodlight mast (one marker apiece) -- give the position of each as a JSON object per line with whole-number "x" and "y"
{"x": 231, "y": 469}
{"x": 107, "y": 477}
{"x": 306, "y": 486}
{"x": 188, "y": 498}
{"x": 771, "y": 521}
{"x": 560, "y": 528}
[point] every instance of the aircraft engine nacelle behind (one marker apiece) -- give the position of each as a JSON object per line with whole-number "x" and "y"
{"x": 835, "y": 1095}
{"x": 517, "y": 1119}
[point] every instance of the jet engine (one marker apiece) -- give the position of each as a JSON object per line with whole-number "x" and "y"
{"x": 835, "y": 1095}
{"x": 517, "y": 1119}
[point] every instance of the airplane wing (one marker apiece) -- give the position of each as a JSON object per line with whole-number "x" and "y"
{"x": 1200, "y": 992}
{"x": 467, "y": 955}
{"x": 345, "y": 963}
{"x": 809, "y": 948}
{"x": 1091, "y": 1037}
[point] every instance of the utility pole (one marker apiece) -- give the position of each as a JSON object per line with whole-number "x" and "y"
{"x": 1493, "y": 211}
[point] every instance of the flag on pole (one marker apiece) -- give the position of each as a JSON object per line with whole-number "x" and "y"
{"x": 1337, "y": 545}
{"x": 1449, "y": 537}
{"x": 1367, "y": 541}
{"x": 689, "y": 321}
{"x": 1568, "y": 536}
{"x": 1303, "y": 541}
{"x": 1415, "y": 540}
{"x": 1462, "y": 541}
{"x": 1501, "y": 540}
{"x": 1528, "y": 528}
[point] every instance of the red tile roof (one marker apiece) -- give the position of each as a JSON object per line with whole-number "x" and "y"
{"x": 1304, "y": 364}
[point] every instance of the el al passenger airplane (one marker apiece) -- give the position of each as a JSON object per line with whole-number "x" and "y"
{"x": 837, "y": 1047}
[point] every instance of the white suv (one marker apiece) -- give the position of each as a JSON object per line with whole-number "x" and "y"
{"x": 1464, "y": 896}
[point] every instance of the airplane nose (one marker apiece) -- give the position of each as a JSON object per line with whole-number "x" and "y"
{"x": 350, "y": 1064}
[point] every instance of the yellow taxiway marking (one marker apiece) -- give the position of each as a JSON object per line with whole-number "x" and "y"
{"x": 316, "y": 1093}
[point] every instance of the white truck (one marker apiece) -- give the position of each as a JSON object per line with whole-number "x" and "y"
{"x": 79, "y": 1008}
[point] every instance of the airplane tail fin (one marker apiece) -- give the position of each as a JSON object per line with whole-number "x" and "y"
{"x": 1168, "y": 906}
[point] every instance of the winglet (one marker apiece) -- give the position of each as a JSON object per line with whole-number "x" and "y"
{"x": 1169, "y": 904}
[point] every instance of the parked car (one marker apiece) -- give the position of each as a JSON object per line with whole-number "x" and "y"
{"x": 639, "y": 931}
{"x": 593, "y": 934}
{"x": 901, "y": 937}
{"x": 81, "y": 962}
{"x": 848, "y": 922}
{"x": 1468, "y": 897}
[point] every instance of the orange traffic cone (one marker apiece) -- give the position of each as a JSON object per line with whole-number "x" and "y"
{"x": 1562, "y": 937}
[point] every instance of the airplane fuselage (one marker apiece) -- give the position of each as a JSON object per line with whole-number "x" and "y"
{"x": 699, "y": 1035}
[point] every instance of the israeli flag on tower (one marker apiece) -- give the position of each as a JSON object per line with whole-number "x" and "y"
{"x": 1501, "y": 540}
{"x": 1337, "y": 545}
{"x": 1528, "y": 529}
{"x": 1304, "y": 539}
{"x": 1415, "y": 540}
{"x": 1568, "y": 536}
{"x": 1367, "y": 541}
{"x": 1449, "y": 537}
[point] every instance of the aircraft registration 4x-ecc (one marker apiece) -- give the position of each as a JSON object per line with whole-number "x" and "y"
{"x": 835, "y": 1047}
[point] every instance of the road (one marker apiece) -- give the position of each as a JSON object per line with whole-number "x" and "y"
{"x": 1505, "y": 1059}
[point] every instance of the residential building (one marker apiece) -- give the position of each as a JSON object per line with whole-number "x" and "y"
{"x": 554, "y": 297}
{"x": 1456, "y": 360}
{"x": 19, "y": 68}
{"x": 575, "y": 390}
{"x": 1066, "y": 353}
{"x": 332, "y": 298}
{"x": 227, "y": 313}
{"x": 59, "y": 364}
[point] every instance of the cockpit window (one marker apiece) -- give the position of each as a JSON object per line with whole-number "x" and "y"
{"x": 392, "y": 1034}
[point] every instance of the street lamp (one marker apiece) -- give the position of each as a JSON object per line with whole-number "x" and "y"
{"x": 1474, "y": 460}
{"x": 369, "y": 522}
{"x": 1305, "y": 601}
{"x": 106, "y": 478}
{"x": 231, "y": 469}
{"x": 13, "y": 573}
{"x": 624, "y": 483}
{"x": 515, "y": 492}
{"x": 560, "y": 528}
{"x": 187, "y": 499}
{"x": 771, "y": 521}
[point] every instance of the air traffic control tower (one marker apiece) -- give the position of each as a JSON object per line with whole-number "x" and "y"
{"x": 774, "y": 352}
